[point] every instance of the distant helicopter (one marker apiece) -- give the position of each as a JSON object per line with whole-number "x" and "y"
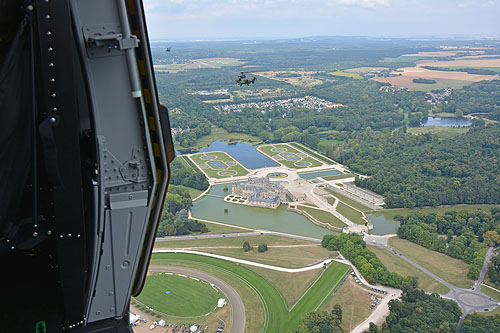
{"x": 242, "y": 79}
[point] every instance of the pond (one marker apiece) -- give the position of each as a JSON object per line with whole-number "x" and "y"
{"x": 311, "y": 175}
{"x": 383, "y": 224}
{"x": 243, "y": 152}
{"x": 279, "y": 219}
{"x": 447, "y": 122}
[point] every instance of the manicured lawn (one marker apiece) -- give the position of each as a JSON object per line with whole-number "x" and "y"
{"x": 233, "y": 241}
{"x": 335, "y": 177}
{"x": 490, "y": 292}
{"x": 187, "y": 162}
{"x": 354, "y": 301}
{"x": 395, "y": 264}
{"x": 219, "y": 157}
{"x": 312, "y": 153}
{"x": 215, "y": 228}
{"x": 186, "y": 298}
{"x": 390, "y": 213}
{"x": 290, "y": 257}
{"x": 449, "y": 269}
{"x": 277, "y": 318}
{"x": 322, "y": 216}
{"x": 268, "y": 150}
{"x": 348, "y": 201}
{"x": 291, "y": 285}
{"x": 193, "y": 193}
{"x": 352, "y": 214}
{"x": 490, "y": 313}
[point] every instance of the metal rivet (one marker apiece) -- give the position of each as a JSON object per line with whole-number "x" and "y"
{"x": 49, "y": 33}
{"x": 47, "y": 16}
{"x": 54, "y": 108}
{"x": 12, "y": 248}
{"x": 35, "y": 234}
{"x": 52, "y": 80}
{"x": 7, "y": 240}
{"x": 78, "y": 235}
{"x": 52, "y": 119}
{"x": 50, "y": 49}
{"x": 35, "y": 226}
{"x": 49, "y": 232}
{"x": 53, "y": 95}
{"x": 69, "y": 235}
{"x": 61, "y": 236}
{"x": 30, "y": 8}
{"x": 51, "y": 64}
{"x": 98, "y": 312}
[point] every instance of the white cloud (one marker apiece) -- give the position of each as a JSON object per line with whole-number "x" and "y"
{"x": 365, "y": 3}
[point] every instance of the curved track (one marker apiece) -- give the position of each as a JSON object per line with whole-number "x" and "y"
{"x": 237, "y": 307}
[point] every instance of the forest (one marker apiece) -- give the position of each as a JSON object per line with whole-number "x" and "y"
{"x": 353, "y": 248}
{"x": 424, "y": 229}
{"x": 421, "y": 170}
{"x": 174, "y": 220}
{"x": 421, "y": 313}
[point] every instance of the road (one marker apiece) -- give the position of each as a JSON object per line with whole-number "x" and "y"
{"x": 236, "y": 234}
{"x": 469, "y": 300}
{"x": 234, "y": 300}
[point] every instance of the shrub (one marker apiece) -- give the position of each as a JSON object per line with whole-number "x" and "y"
{"x": 262, "y": 248}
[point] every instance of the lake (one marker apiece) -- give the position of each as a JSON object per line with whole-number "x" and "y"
{"x": 245, "y": 153}
{"x": 447, "y": 122}
{"x": 280, "y": 219}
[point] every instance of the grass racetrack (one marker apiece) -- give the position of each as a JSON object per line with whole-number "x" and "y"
{"x": 187, "y": 297}
{"x": 277, "y": 318}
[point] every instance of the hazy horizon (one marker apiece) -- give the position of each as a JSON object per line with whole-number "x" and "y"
{"x": 280, "y": 19}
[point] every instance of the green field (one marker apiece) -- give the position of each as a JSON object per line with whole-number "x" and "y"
{"x": 490, "y": 292}
{"x": 352, "y": 214}
{"x": 344, "y": 74}
{"x": 278, "y": 158}
{"x": 193, "y": 193}
{"x": 312, "y": 153}
{"x": 441, "y": 131}
{"x": 335, "y": 177}
{"x": 395, "y": 264}
{"x": 277, "y": 318}
{"x": 187, "y": 297}
{"x": 215, "y": 228}
{"x": 494, "y": 69}
{"x": 204, "y": 164}
{"x": 348, "y": 201}
{"x": 449, "y": 269}
{"x": 322, "y": 216}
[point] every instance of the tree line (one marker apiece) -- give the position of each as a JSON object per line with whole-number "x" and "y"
{"x": 353, "y": 248}
{"x": 174, "y": 219}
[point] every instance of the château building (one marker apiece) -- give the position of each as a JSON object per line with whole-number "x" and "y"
{"x": 261, "y": 192}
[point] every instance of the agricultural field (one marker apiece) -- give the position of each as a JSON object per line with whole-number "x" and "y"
{"x": 449, "y": 269}
{"x": 346, "y": 74}
{"x": 277, "y": 317}
{"x": 297, "y": 78}
{"x": 365, "y": 69}
{"x": 199, "y": 64}
{"x": 288, "y": 156}
{"x": 444, "y": 79}
{"x": 218, "y": 164}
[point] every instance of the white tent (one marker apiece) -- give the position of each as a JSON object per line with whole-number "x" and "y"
{"x": 193, "y": 328}
{"x": 161, "y": 323}
{"x": 133, "y": 318}
{"x": 221, "y": 302}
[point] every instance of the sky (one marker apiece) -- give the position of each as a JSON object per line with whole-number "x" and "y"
{"x": 271, "y": 19}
